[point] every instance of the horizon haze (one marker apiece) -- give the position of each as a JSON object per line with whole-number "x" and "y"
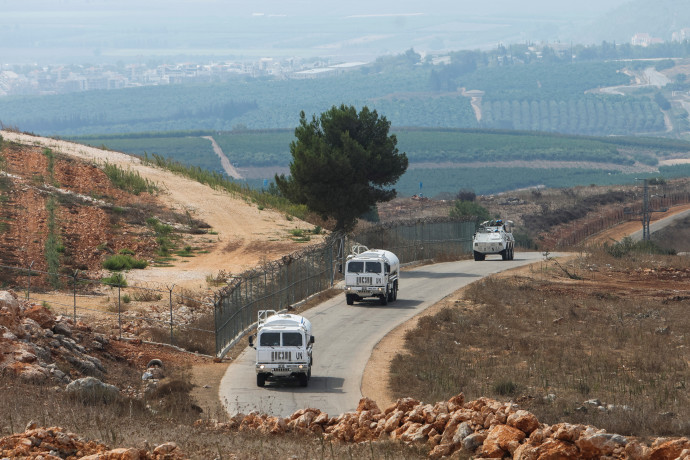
{"x": 83, "y": 31}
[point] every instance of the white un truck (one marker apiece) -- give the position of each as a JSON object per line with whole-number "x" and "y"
{"x": 371, "y": 273}
{"x": 283, "y": 347}
{"x": 494, "y": 237}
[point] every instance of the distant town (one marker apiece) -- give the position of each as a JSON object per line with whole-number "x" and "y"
{"x": 61, "y": 79}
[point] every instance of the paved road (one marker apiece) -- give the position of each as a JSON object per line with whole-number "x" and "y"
{"x": 345, "y": 337}
{"x": 659, "y": 224}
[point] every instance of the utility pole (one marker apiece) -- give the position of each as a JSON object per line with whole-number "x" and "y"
{"x": 646, "y": 213}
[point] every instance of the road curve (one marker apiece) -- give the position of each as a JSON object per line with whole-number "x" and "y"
{"x": 661, "y": 223}
{"x": 345, "y": 337}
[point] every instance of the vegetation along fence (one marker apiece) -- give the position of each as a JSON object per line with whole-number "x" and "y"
{"x": 294, "y": 278}
{"x": 660, "y": 197}
{"x": 172, "y": 316}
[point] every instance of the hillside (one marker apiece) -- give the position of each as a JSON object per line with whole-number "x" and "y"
{"x": 182, "y": 406}
{"x": 94, "y": 219}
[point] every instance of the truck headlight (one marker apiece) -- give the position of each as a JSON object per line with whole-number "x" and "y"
{"x": 261, "y": 366}
{"x": 301, "y": 366}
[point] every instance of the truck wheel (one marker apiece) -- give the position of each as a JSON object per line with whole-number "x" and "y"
{"x": 478, "y": 256}
{"x": 390, "y": 295}
{"x": 303, "y": 380}
{"x": 512, "y": 253}
{"x": 395, "y": 291}
{"x": 260, "y": 380}
{"x": 504, "y": 254}
{"x": 384, "y": 299}
{"x": 350, "y": 299}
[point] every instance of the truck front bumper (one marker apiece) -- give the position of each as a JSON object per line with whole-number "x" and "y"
{"x": 365, "y": 291}
{"x": 282, "y": 369}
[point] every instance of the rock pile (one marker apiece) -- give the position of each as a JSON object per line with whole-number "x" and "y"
{"x": 54, "y": 443}
{"x": 485, "y": 428}
{"x": 37, "y": 346}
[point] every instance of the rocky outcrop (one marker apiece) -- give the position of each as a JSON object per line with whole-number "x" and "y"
{"x": 92, "y": 390}
{"x": 37, "y": 346}
{"x": 55, "y": 443}
{"x": 484, "y": 428}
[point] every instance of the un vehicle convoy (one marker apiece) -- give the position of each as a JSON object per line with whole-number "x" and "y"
{"x": 283, "y": 347}
{"x": 371, "y": 273}
{"x": 494, "y": 237}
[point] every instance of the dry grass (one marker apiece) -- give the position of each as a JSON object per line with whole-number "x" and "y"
{"x": 551, "y": 344}
{"x": 170, "y": 416}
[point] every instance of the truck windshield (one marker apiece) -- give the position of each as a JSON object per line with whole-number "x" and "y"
{"x": 269, "y": 339}
{"x": 355, "y": 267}
{"x": 373, "y": 267}
{"x": 292, "y": 339}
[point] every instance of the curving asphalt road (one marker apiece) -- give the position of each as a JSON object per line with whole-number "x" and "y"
{"x": 345, "y": 337}
{"x": 659, "y": 224}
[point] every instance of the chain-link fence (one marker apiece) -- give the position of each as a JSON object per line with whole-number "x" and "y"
{"x": 298, "y": 276}
{"x": 663, "y": 197}
{"x": 174, "y": 315}
{"x": 421, "y": 239}
{"x": 274, "y": 286}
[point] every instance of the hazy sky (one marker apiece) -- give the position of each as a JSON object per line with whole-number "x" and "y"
{"x": 74, "y": 30}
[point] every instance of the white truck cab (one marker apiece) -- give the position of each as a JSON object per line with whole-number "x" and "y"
{"x": 371, "y": 273}
{"x": 283, "y": 347}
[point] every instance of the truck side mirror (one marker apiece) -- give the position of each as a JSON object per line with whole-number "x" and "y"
{"x": 251, "y": 341}
{"x": 311, "y": 340}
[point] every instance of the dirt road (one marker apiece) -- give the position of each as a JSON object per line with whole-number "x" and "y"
{"x": 224, "y": 161}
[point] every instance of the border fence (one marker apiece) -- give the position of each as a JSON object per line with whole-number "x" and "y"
{"x": 212, "y": 325}
{"x": 665, "y": 197}
{"x": 172, "y": 316}
{"x": 296, "y": 277}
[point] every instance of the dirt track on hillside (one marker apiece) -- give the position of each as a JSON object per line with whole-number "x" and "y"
{"x": 245, "y": 235}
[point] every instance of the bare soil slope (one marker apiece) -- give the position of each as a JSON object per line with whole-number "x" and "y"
{"x": 243, "y": 235}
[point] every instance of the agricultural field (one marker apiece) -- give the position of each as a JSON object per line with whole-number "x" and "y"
{"x": 551, "y": 97}
{"x": 442, "y": 161}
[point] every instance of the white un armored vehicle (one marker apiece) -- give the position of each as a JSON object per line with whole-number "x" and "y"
{"x": 371, "y": 273}
{"x": 494, "y": 237}
{"x": 283, "y": 347}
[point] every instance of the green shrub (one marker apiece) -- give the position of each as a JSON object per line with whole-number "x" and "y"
{"x": 123, "y": 262}
{"x": 505, "y": 387}
{"x": 126, "y": 251}
{"x": 468, "y": 209}
{"x": 116, "y": 279}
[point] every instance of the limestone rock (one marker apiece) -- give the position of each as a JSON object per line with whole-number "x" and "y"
{"x": 524, "y": 421}
{"x": 501, "y": 439}
{"x": 600, "y": 444}
{"x": 90, "y": 389}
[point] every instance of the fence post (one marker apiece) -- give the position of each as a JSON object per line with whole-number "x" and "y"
{"x": 216, "y": 302}
{"x": 74, "y": 292}
{"x": 170, "y": 289}
{"x": 28, "y": 287}
{"x": 119, "y": 309}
